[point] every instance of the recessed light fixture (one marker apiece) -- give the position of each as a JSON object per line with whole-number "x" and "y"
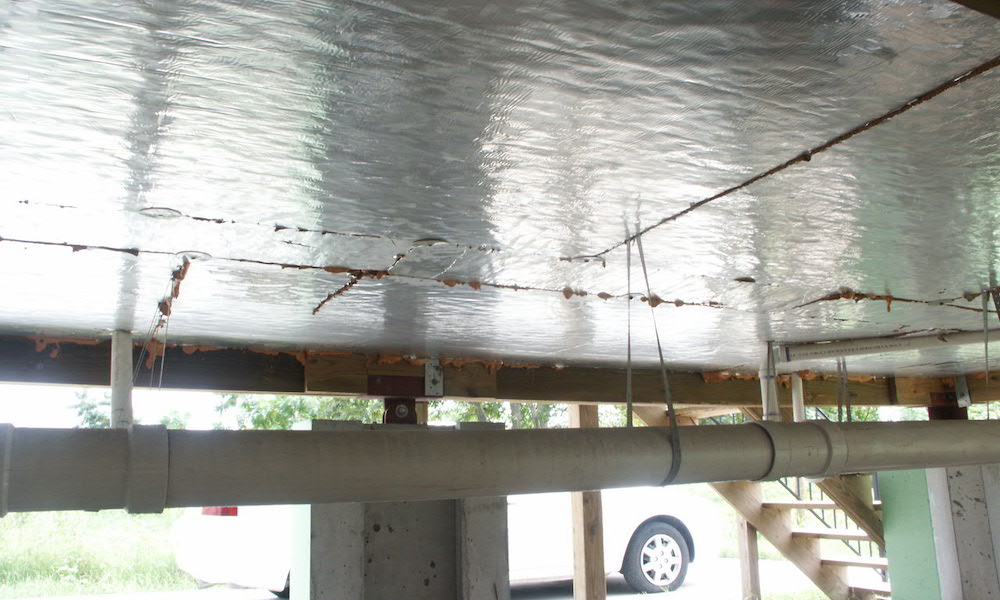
{"x": 431, "y": 241}
{"x": 195, "y": 255}
{"x": 159, "y": 212}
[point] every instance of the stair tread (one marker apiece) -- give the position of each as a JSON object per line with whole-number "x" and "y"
{"x": 874, "y": 586}
{"x": 823, "y": 504}
{"x": 835, "y": 534}
{"x": 857, "y": 561}
{"x": 805, "y": 504}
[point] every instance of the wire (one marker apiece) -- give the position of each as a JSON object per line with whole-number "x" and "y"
{"x": 675, "y": 441}
{"x": 986, "y": 336}
{"x": 150, "y": 333}
{"x": 628, "y": 335}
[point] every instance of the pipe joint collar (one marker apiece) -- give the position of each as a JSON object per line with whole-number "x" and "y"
{"x": 782, "y": 450}
{"x": 811, "y": 449}
{"x": 6, "y": 449}
{"x": 148, "y": 462}
{"x": 836, "y": 447}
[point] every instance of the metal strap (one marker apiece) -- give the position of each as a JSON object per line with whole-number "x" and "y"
{"x": 675, "y": 440}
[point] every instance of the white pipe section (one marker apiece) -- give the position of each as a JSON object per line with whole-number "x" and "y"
{"x": 148, "y": 468}
{"x": 819, "y": 350}
{"x": 798, "y": 399}
{"x": 769, "y": 387}
{"x": 121, "y": 379}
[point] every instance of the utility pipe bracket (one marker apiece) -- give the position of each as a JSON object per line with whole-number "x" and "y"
{"x": 148, "y": 461}
{"x": 6, "y": 449}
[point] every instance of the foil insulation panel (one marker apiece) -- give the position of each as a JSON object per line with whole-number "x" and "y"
{"x": 459, "y": 178}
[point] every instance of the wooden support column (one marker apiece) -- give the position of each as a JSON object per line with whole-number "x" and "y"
{"x": 749, "y": 561}
{"x": 121, "y": 379}
{"x": 589, "y": 579}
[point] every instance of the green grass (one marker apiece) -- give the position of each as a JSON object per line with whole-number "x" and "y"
{"x": 69, "y": 553}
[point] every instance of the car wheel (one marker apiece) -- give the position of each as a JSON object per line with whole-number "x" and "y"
{"x": 656, "y": 559}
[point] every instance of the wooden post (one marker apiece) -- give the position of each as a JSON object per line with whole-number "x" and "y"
{"x": 749, "y": 565}
{"x": 589, "y": 580}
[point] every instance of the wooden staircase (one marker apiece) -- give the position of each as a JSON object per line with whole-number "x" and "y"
{"x": 850, "y": 494}
{"x": 776, "y": 521}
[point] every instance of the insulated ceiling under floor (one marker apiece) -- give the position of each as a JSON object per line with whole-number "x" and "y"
{"x": 459, "y": 178}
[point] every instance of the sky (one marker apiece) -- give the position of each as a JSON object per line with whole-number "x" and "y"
{"x": 27, "y": 405}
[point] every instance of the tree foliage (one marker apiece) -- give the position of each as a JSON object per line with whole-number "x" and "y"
{"x": 175, "y": 420}
{"x": 92, "y": 413}
{"x": 281, "y": 412}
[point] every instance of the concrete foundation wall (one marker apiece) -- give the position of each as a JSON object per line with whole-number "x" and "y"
{"x": 431, "y": 550}
{"x": 942, "y": 529}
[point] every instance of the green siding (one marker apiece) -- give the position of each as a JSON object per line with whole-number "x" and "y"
{"x": 909, "y": 535}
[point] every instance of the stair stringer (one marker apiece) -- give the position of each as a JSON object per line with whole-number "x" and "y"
{"x": 776, "y": 526}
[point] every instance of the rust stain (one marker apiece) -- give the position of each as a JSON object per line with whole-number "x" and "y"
{"x": 42, "y": 343}
{"x": 177, "y": 276}
{"x": 154, "y": 349}
{"x": 806, "y": 155}
{"x": 357, "y": 275}
{"x": 491, "y": 366}
{"x": 79, "y": 247}
{"x": 783, "y": 380}
{"x": 846, "y": 293}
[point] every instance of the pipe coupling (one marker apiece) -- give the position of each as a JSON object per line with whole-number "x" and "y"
{"x": 148, "y": 469}
{"x": 6, "y": 450}
{"x": 837, "y": 448}
{"x": 813, "y": 449}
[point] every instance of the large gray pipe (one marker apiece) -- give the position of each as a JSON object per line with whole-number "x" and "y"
{"x": 147, "y": 468}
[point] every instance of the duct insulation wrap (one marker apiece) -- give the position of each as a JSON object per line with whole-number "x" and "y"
{"x": 148, "y": 468}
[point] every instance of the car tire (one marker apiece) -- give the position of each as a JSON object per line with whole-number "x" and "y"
{"x": 656, "y": 559}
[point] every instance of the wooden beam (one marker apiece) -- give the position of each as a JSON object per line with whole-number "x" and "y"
{"x": 853, "y": 493}
{"x": 471, "y": 380}
{"x": 82, "y": 362}
{"x": 589, "y": 579}
{"x": 88, "y": 363}
{"x": 987, "y": 7}
{"x": 749, "y": 560}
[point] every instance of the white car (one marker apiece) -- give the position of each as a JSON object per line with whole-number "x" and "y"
{"x": 648, "y": 538}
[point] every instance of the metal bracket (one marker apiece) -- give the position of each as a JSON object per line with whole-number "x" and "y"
{"x": 962, "y": 394}
{"x": 433, "y": 379}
